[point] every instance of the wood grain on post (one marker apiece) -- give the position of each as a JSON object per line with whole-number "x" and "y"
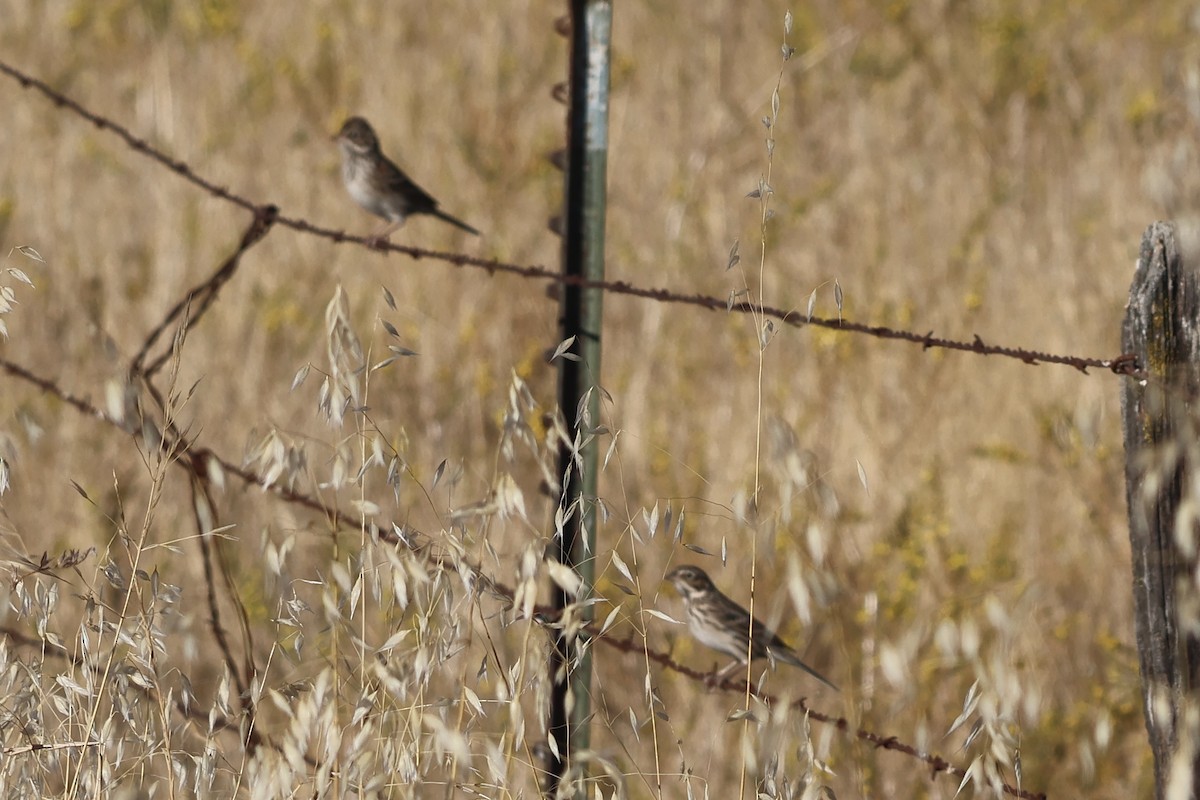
{"x": 1162, "y": 485}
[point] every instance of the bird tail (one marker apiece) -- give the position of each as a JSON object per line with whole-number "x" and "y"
{"x": 458, "y": 223}
{"x": 788, "y": 657}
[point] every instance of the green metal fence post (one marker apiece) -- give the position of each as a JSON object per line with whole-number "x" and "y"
{"x": 579, "y": 398}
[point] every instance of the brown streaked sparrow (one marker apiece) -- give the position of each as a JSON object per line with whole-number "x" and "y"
{"x": 720, "y": 623}
{"x": 380, "y": 186}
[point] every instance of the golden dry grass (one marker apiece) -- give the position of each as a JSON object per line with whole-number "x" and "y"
{"x": 980, "y": 168}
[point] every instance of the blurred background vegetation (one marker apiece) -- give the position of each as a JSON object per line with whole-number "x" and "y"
{"x": 924, "y": 521}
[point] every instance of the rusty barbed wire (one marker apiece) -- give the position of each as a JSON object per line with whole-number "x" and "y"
{"x": 201, "y": 297}
{"x": 936, "y": 763}
{"x": 189, "y": 310}
{"x": 197, "y": 461}
{"x": 1124, "y": 364}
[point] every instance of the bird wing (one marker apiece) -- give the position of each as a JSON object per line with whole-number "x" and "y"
{"x": 417, "y": 198}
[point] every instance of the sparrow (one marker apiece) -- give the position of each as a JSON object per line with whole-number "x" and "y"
{"x": 720, "y": 623}
{"x": 380, "y": 186}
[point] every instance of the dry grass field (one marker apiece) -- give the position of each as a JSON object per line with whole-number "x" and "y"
{"x": 925, "y": 521}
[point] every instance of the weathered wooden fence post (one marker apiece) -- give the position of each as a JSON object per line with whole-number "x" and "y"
{"x": 1162, "y": 480}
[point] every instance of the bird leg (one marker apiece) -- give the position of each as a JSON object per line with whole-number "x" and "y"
{"x": 717, "y": 677}
{"x": 376, "y": 240}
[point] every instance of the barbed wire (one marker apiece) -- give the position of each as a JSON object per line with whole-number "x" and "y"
{"x": 739, "y": 687}
{"x": 197, "y": 461}
{"x": 1124, "y": 364}
{"x": 199, "y": 299}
